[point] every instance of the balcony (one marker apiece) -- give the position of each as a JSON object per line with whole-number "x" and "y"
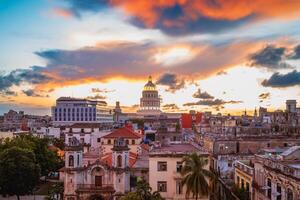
{"x": 95, "y": 188}
{"x": 244, "y": 167}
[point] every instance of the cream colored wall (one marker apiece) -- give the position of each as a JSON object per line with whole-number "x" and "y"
{"x": 245, "y": 177}
{"x": 170, "y": 176}
{"x": 106, "y": 148}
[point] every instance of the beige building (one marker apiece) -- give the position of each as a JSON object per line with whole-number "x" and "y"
{"x": 165, "y": 164}
{"x": 132, "y": 139}
{"x": 277, "y": 177}
{"x": 243, "y": 175}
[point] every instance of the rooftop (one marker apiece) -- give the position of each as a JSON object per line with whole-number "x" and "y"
{"x": 123, "y": 133}
{"x": 175, "y": 148}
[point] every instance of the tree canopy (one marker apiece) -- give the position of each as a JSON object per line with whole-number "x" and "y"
{"x": 19, "y": 171}
{"x": 143, "y": 192}
{"x": 47, "y": 159}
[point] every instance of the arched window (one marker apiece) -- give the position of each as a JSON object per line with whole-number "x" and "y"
{"x": 71, "y": 161}
{"x": 119, "y": 159}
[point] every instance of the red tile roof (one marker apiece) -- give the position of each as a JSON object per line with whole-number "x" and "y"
{"x": 124, "y": 133}
{"x": 107, "y": 159}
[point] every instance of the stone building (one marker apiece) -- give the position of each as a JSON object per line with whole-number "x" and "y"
{"x": 150, "y": 100}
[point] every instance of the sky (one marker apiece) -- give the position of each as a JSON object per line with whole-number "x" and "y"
{"x": 206, "y": 55}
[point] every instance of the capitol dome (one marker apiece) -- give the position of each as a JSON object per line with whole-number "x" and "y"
{"x": 150, "y": 86}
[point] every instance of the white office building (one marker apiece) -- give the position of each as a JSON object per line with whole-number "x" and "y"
{"x": 73, "y": 110}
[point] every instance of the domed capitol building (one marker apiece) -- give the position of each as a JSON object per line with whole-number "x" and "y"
{"x": 150, "y": 100}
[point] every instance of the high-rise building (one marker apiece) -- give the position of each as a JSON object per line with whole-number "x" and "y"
{"x": 150, "y": 101}
{"x": 73, "y": 110}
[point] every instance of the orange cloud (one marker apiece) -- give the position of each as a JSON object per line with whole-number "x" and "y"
{"x": 61, "y": 12}
{"x": 150, "y": 11}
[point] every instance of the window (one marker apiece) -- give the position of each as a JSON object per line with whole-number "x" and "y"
{"x": 269, "y": 191}
{"x": 132, "y": 141}
{"x": 279, "y": 192}
{"x": 268, "y": 144}
{"x": 108, "y": 141}
{"x": 119, "y": 160}
{"x": 161, "y": 166}
{"x": 178, "y": 166}
{"x": 162, "y": 186}
{"x": 78, "y": 160}
{"x": 238, "y": 180}
{"x": 71, "y": 161}
{"x": 178, "y": 187}
{"x": 98, "y": 140}
{"x": 82, "y": 140}
{"x": 247, "y": 187}
{"x": 127, "y": 142}
{"x": 243, "y": 184}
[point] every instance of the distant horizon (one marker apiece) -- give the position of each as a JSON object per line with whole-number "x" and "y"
{"x": 208, "y": 56}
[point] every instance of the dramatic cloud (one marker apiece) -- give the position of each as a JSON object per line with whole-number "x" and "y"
{"x": 97, "y": 97}
{"x": 34, "y": 75}
{"x": 202, "y": 95}
{"x": 270, "y": 57}
{"x": 172, "y": 81}
{"x": 185, "y": 17}
{"x": 264, "y": 96}
{"x": 296, "y": 53}
{"x": 77, "y": 7}
{"x": 212, "y": 102}
{"x": 283, "y": 80}
{"x": 170, "y": 107}
{"x": 98, "y": 90}
{"x": 7, "y": 92}
{"x": 222, "y": 73}
{"x": 31, "y": 93}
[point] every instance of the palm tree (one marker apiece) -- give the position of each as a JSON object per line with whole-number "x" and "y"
{"x": 195, "y": 177}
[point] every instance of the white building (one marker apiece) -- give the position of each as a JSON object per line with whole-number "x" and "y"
{"x": 49, "y": 132}
{"x": 73, "y": 110}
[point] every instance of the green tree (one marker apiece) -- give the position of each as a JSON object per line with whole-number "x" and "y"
{"x": 143, "y": 192}
{"x": 59, "y": 143}
{"x": 195, "y": 177}
{"x": 47, "y": 159}
{"x": 19, "y": 171}
{"x": 241, "y": 193}
{"x": 56, "y": 192}
{"x": 131, "y": 196}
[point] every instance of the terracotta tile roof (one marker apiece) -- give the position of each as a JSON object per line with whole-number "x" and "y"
{"x": 124, "y": 133}
{"x": 146, "y": 147}
{"x": 107, "y": 159}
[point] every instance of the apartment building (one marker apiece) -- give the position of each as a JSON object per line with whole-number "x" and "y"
{"x": 165, "y": 163}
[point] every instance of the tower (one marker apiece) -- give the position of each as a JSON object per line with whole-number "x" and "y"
{"x": 291, "y": 106}
{"x": 120, "y": 163}
{"x": 73, "y": 167}
{"x": 73, "y": 154}
{"x": 150, "y": 100}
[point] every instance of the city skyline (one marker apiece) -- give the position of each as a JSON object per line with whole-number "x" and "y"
{"x": 208, "y": 57}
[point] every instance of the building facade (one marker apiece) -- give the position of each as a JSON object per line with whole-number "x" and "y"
{"x": 72, "y": 110}
{"x": 165, "y": 163}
